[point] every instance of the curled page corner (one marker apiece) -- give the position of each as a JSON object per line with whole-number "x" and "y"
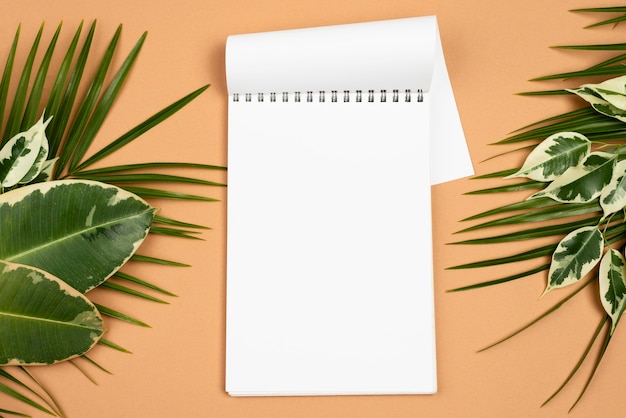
{"x": 449, "y": 155}
{"x": 403, "y": 54}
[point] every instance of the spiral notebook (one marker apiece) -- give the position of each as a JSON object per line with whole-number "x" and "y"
{"x": 335, "y": 136}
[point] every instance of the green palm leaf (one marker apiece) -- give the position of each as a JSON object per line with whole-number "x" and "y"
{"x": 14, "y": 120}
{"x": 79, "y": 105}
{"x": 597, "y": 220}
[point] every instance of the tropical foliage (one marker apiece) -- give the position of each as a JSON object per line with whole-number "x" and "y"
{"x": 67, "y": 227}
{"x": 576, "y": 172}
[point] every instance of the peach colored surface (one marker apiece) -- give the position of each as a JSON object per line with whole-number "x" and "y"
{"x": 177, "y": 366}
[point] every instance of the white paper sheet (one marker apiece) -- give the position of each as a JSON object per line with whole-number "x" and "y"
{"x": 385, "y": 55}
{"x": 329, "y": 272}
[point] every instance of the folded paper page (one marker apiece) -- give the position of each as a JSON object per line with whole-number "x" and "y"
{"x": 329, "y": 271}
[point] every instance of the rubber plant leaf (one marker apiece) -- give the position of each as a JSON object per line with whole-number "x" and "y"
{"x": 37, "y": 306}
{"x": 99, "y": 225}
{"x": 553, "y": 156}
{"x": 583, "y": 183}
{"x": 21, "y": 153}
{"x": 608, "y": 97}
{"x": 575, "y": 256}
{"x": 612, "y": 285}
{"x": 613, "y": 196}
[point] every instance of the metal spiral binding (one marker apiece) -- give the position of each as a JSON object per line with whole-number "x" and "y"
{"x": 334, "y": 95}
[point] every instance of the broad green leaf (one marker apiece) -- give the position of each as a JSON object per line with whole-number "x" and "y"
{"x": 37, "y": 306}
{"x": 553, "y": 156}
{"x": 100, "y": 225}
{"x": 21, "y": 153}
{"x": 583, "y": 183}
{"x": 613, "y": 285}
{"x": 575, "y": 256}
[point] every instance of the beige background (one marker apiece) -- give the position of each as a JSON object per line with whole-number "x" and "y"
{"x": 177, "y": 366}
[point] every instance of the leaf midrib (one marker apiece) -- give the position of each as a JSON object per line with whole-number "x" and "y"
{"x": 16, "y": 257}
{"x": 39, "y": 319}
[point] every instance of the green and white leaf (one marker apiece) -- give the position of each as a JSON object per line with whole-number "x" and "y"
{"x": 613, "y": 196}
{"x": 553, "y": 156}
{"x": 21, "y": 153}
{"x": 47, "y": 171}
{"x": 100, "y": 225}
{"x": 40, "y": 162}
{"x": 583, "y": 183}
{"x": 613, "y": 285}
{"x": 608, "y": 97}
{"x": 42, "y": 319}
{"x": 575, "y": 256}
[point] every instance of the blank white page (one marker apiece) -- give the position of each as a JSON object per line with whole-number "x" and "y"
{"x": 329, "y": 266}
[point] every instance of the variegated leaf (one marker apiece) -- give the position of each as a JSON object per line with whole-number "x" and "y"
{"x": 20, "y": 153}
{"x": 46, "y": 171}
{"x": 39, "y": 162}
{"x": 575, "y": 256}
{"x": 608, "y": 97}
{"x": 42, "y": 319}
{"x": 554, "y": 155}
{"x": 583, "y": 183}
{"x": 81, "y": 231}
{"x": 613, "y": 196}
{"x": 612, "y": 285}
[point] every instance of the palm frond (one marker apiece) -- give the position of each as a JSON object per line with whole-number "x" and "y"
{"x": 85, "y": 108}
{"x": 132, "y": 167}
{"x": 6, "y": 78}
{"x": 36, "y": 92}
{"x": 122, "y": 317}
{"x": 66, "y": 94}
{"x": 110, "y": 344}
{"x": 545, "y": 314}
{"x": 79, "y": 106}
{"x": 127, "y": 290}
{"x": 154, "y": 260}
{"x": 140, "y": 129}
{"x": 132, "y": 279}
{"x": 544, "y": 218}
